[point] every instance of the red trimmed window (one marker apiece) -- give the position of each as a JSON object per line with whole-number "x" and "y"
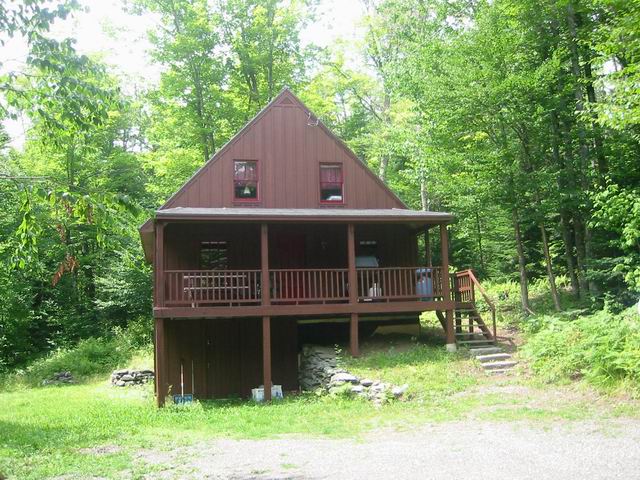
{"x": 245, "y": 180}
{"x": 331, "y": 183}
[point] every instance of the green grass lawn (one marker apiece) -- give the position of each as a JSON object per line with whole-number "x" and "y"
{"x": 50, "y": 431}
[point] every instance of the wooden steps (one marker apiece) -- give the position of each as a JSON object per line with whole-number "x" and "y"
{"x": 470, "y": 329}
{"x": 493, "y": 360}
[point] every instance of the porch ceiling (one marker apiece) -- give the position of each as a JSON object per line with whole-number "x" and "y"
{"x": 413, "y": 218}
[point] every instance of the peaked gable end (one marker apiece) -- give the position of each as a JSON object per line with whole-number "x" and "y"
{"x": 287, "y": 145}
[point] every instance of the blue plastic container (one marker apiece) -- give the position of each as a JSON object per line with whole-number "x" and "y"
{"x": 424, "y": 284}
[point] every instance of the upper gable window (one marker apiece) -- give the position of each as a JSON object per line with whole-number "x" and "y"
{"x": 245, "y": 180}
{"x": 331, "y": 183}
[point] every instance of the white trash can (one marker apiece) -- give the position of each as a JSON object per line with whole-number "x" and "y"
{"x": 258, "y": 393}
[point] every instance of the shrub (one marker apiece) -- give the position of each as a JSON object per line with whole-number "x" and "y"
{"x": 89, "y": 357}
{"x": 603, "y": 348}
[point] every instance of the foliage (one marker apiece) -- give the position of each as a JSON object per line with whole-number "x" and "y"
{"x": 618, "y": 210}
{"x": 88, "y": 358}
{"x": 518, "y": 116}
{"x": 603, "y": 348}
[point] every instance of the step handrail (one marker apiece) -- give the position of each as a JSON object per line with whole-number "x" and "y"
{"x": 485, "y": 295}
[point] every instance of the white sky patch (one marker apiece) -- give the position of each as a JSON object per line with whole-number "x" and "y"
{"x": 119, "y": 39}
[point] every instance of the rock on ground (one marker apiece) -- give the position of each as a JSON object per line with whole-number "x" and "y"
{"x": 126, "y": 378}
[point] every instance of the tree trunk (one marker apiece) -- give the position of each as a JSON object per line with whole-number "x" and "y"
{"x": 424, "y": 194}
{"x": 577, "y": 90}
{"x": 601, "y": 159}
{"x": 550, "y": 275}
{"x": 565, "y": 195}
{"x": 581, "y": 260}
{"x": 593, "y": 288}
{"x": 522, "y": 264}
{"x": 384, "y": 159}
{"x": 270, "y": 84}
{"x": 479, "y": 234}
{"x": 565, "y": 228}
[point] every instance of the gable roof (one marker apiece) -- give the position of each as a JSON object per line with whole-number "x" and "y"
{"x": 288, "y": 98}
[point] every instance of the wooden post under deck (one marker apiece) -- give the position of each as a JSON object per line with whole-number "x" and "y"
{"x": 160, "y": 361}
{"x": 266, "y": 357}
{"x": 353, "y": 335}
{"x": 446, "y": 286}
{"x": 353, "y": 289}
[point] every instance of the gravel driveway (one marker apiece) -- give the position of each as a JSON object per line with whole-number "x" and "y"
{"x": 461, "y": 450}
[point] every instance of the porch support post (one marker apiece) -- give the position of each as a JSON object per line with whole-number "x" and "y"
{"x": 160, "y": 353}
{"x": 264, "y": 264}
{"x": 266, "y": 321}
{"x": 158, "y": 269}
{"x": 351, "y": 254}
{"x": 353, "y": 289}
{"x": 427, "y": 248}
{"x": 266, "y": 357}
{"x": 446, "y": 286}
{"x": 160, "y": 361}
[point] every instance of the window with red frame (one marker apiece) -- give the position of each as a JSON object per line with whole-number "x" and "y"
{"x": 331, "y": 183}
{"x": 245, "y": 180}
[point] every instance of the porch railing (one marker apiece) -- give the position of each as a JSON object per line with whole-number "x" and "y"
{"x": 399, "y": 283}
{"x": 300, "y": 286}
{"x": 309, "y": 285}
{"x": 464, "y": 289}
{"x": 212, "y": 287}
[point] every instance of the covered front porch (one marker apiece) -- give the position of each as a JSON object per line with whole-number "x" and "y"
{"x": 227, "y": 269}
{"x": 273, "y": 265}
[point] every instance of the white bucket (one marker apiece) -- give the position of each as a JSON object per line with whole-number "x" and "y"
{"x": 258, "y": 393}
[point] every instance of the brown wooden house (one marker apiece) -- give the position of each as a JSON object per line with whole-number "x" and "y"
{"x": 281, "y": 228}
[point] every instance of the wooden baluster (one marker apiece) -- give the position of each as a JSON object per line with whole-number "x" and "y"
{"x": 287, "y": 276}
{"x": 387, "y": 282}
{"x": 305, "y": 276}
{"x": 332, "y": 285}
{"x": 326, "y": 285}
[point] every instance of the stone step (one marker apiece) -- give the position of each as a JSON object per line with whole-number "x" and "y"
{"x": 499, "y": 365}
{"x": 499, "y": 371}
{"x": 484, "y": 351}
{"x": 484, "y": 342}
{"x": 492, "y": 357}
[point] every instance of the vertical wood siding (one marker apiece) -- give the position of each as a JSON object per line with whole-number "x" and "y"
{"x": 289, "y": 152}
{"x": 227, "y": 355}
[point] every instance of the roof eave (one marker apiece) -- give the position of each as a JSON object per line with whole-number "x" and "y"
{"x": 426, "y": 220}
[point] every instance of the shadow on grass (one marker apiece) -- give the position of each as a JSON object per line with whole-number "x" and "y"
{"x": 396, "y": 351}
